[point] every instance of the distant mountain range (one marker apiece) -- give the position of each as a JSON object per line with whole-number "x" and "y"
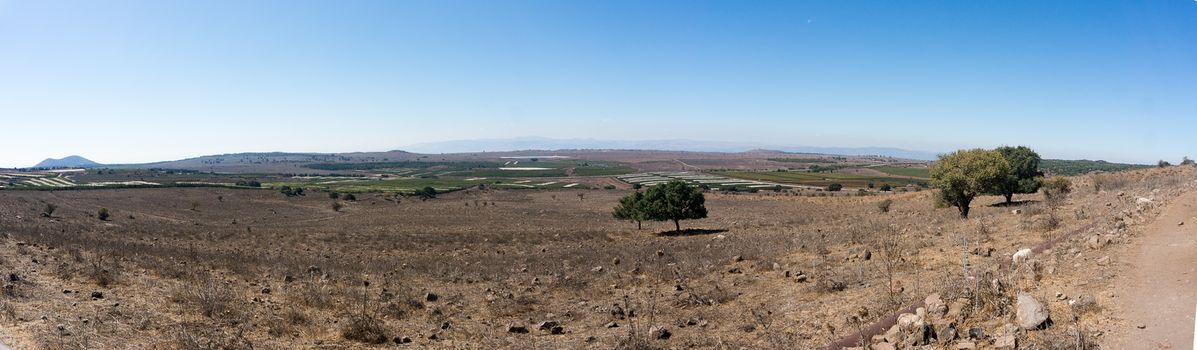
{"x": 67, "y": 162}
{"x": 543, "y": 143}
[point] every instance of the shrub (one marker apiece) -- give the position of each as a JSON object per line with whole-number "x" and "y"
{"x": 48, "y": 211}
{"x": 426, "y": 193}
{"x": 1056, "y": 189}
{"x": 365, "y": 329}
{"x": 1187, "y": 161}
{"x": 637, "y": 186}
{"x": 349, "y": 197}
{"x": 336, "y": 206}
{"x": 835, "y": 187}
{"x": 248, "y": 184}
{"x": 103, "y": 214}
{"x": 886, "y": 188}
{"x": 883, "y": 206}
{"x": 334, "y": 195}
{"x": 1163, "y": 164}
{"x": 609, "y": 187}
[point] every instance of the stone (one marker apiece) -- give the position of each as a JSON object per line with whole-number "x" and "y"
{"x": 947, "y": 333}
{"x": 1016, "y": 211}
{"x": 1031, "y": 314}
{"x": 430, "y": 296}
{"x": 611, "y": 324}
{"x": 515, "y": 328}
{"x": 402, "y": 340}
{"x": 883, "y": 346}
{"x": 801, "y": 278}
{"x": 966, "y": 345}
{"x": 976, "y": 333}
{"x": 1141, "y": 326}
{"x": 547, "y": 325}
{"x": 659, "y": 332}
{"x": 1103, "y": 261}
{"x": 1021, "y": 256}
{"x": 265, "y": 290}
{"x": 737, "y": 258}
{"x": 1006, "y": 342}
{"x": 97, "y": 295}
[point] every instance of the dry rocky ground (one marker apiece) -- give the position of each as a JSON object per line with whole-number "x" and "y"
{"x": 237, "y": 269}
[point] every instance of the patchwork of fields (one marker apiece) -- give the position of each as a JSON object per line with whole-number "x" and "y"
{"x": 715, "y": 182}
{"x": 823, "y": 179}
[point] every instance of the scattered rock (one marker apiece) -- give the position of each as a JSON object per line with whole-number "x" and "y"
{"x": 1016, "y": 211}
{"x": 1141, "y": 326}
{"x": 611, "y": 324}
{"x": 966, "y": 345}
{"x": 515, "y": 328}
{"x": 737, "y": 258}
{"x": 265, "y": 290}
{"x": 597, "y": 269}
{"x": 947, "y": 333}
{"x": 1006, "y": 342}
{"x": 1031, "y": 313}
{"x": 935, "y": 305}
{"x": 1021, "y": 256}
{"x": 402, "y": 340}
{"x": 615, "y": 261}
{"x": 800, "y": 278}
{"x": 976, "y": 333}
{"x": 658, "y": 332}
{"x": 1061, "y": 296}
{"x": 548, "y": 325}
{"x": 883, "y": 346}
{"x": 97, "y": 295}
{"x": 1103, "y": 261}
{"x": 430, "y": 296}
{"x": 1182, "y": 223}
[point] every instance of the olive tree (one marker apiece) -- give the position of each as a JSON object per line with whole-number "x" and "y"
{"x": 631, "y": 207}
{"x": 1024, "y": 175}
{"x": 674, "y": 201}
{"x": 962, "y": 175}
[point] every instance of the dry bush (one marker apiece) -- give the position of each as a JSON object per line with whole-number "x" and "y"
{"x": 364, "y": 328}
{"x": 213, "y": 299}
{"x": 199, "y": 337}
{"x": 1109, "y": 182}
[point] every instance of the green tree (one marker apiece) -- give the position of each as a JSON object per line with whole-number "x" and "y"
{"x": 835, "y": 187}
{"x": 962, "y": 175}
{"x": 426, "y": 193}
{"x": 674, "y": 201}
{"x": 1186, "y": 161}
{"x": 1024, "y": 175}
{"x": 631, "y": 207}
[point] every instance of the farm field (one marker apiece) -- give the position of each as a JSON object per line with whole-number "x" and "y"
{"x": 822, "y": 179}
{"x": 919, "y": 172}
{"x": 713, "y": 182}
{"x": 177, "y": 267}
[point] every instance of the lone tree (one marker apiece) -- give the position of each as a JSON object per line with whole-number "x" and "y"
{"x": 675, "y": 201}
{"x": 630, "y": 208}
{"x": 962, "y": 175}
{"x": 1024, "y": 175}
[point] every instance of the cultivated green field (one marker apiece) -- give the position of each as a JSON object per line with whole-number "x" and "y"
{"x": 820, "y": 179}
{"x": 904, "y": 171}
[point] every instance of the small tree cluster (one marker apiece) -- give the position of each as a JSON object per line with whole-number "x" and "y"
{"x": 291, "y": 192}
{"x": 248, "y": 184}
{"x": 426, "y": 193}
{"x": 671, "y": 201}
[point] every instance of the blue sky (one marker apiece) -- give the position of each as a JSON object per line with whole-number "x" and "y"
{"x": 136, "y": 81}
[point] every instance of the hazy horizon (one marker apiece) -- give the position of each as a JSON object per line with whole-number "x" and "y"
{"x": 143, "y": 81}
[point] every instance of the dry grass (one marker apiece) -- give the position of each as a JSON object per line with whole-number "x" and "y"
{"x": 201, "y": 276}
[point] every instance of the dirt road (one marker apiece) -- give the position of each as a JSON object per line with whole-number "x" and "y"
{"x": 1157, "y": 293}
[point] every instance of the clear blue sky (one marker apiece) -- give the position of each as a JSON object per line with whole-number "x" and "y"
{"x": 135, "y": 81}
